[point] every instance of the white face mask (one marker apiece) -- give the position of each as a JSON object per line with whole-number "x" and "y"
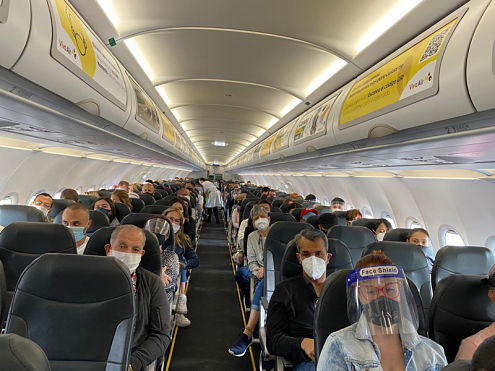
{"x": 262, "y": 224}
{"x": 314, "y": 267}
{"x": 379, "y": 236}
{"x": 176, "y": 227}
{"x": 131, "y": 260}
{"x": 43, "y": 209}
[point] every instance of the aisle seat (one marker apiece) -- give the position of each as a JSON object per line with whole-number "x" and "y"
{"x": 19, "y": 213}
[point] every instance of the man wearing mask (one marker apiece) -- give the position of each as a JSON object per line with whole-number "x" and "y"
{"x": 291, "y": 310}
{"x": 76, "y": 218}
{"x": 148, "y": 188}
{"x": 152, "y": 322}
{"x": 337, "y": 204}
{"x": 43, "y": 202}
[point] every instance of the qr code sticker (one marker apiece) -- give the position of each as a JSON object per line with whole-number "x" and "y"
{"x": 434, "y": 46}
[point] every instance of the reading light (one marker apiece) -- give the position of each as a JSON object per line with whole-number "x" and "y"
{"x": 139, "y": 57}
{"x": 219, "y": 143}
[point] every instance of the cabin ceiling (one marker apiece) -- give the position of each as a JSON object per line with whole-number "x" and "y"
{"x": 229, "y": 70}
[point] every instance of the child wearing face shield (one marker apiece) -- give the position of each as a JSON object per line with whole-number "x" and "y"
{"x": 383, "y": 335}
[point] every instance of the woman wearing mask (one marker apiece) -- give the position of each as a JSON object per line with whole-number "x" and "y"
{"x": 380, "y": 228}
{"x": 189, "y": 223}
{"x": 188, "y": 258}
{"x": 162, "y": 229}
{"x": 122, "y": 197}
{"x": 421, "y": 238}
{"x": 255, "y": 251}
{"x": 383, "y": 335}
{"x": 106, "y": 206}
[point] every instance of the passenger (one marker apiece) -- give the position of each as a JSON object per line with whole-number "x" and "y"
{"x": 105, "y": 205}
{"x": 122, "y": 197}
{"x": 43, "y": 202}
{"x": 380, "y": 228}
{"x": 421, "y": 238}
{"x": 352, "y": 215}
{"x": 310, "y": 197}
{"x": 306, "y": 213}
{"x": 92, "y": 194}
{"x": 272, "y": 193}
{"x": 469, "y": 344}
{"x": 264, "y": 192}
{"x": 255, "y": 251}
{"x": 168, "y": 258}
{"x": 69, "y": 194}
{"x": 289, "y": 323}
{"x": 189, "y": 223}
{"x": 327, "y": 221}
{"x": 288, "y": 200}
{"x": 188, "y": 258}
{"x": 184, "y": 192}
{"x": 337, "y": 204}
{"x": 148, "y": 188}
{"x": 152, "y": 322}
{"x": 383, "y": 335}
{"x": 213, "y": 199}
{"x": 76, "y": 217}
{"x": 125, "y": 186}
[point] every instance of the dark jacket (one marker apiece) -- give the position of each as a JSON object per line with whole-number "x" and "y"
{"x": 152, "y": 328}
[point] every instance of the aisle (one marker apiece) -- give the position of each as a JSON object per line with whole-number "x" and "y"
{"x": 213, "y": 308}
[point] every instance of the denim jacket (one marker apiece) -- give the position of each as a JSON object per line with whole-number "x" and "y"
{"x": 353, "y": 349}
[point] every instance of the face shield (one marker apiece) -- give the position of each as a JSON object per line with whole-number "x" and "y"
{"x": 380, "y": 297}
{"x": 160, "y": 227}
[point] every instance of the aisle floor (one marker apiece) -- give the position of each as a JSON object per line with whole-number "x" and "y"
{"x": 213, "y": 308}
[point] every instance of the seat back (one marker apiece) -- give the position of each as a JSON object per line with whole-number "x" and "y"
{"x": 23, "y": 242}
{"x": 98, "y": 220}
{"x": 473, "y": 260}
{"x": 58, "y": 206}
{"x": 137, "y": 219}
{"x": 281, "y": 217}
{"x": 355, "y": 238}
{"x": 322, "y": 209}
{"x": 296, "y": 213}
{"x": 147, "y": 198}
{"x": 244, "y": 203}
{"x": 247, "y": 209}
{"x": 341, "y": 217}
{"x": 81, "y": 321}
{"x": 341, "y": 256}
{"x": 20, "y": 354}
{"x": 397, "y": 234}
{"x": 412, "y": 260}
{"x": 4, "y": 299}
{"x": 276, "y": 241}
{"x": 121, "y": 210}
{"x": 149, "y": 261}
{"x": 19, "y": 213}
{"x": 137, "y": 204}
{"x": 164, "y": 202}
{"x": 277, "y": 202}
{"x": 276, "y": 209}
{"x": 87, "y": 200}
{"x": 313, "y": 220}
{"x": 460, "y": 308}
{"x": 154, "y": 209}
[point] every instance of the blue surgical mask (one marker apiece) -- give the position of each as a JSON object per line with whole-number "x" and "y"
{"x": 104, "y": 211}
{"x": 78, "y": 233}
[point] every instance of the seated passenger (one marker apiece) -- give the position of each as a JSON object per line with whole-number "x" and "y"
{"x": 272, "y": 193}
{"x": 125, "y": 186}
{"x": 288, "y": 200}
{"x": 264, "y": 192}
{"x": 76, "y": 217}
{"x": 310, "y": 197}
{"x": 168, "y": 258}
{"x": 469, "y": 344}
{"x": 43, "y": 202}
{"x": 69, "y": 194}
{"x": 148, "y": 188}
{"x": 105, "y": 205}
{"x": 383, "y": 335}
{"x": 421, "y": 238}
{"x": 188, "y": 258}
{"x": 189, "y": 223}
{"x": 380, "y": 228}
{"x": 184, "y": 193}
{"x": 122, "y": 197}
{"x": 352, "y": 215}
{"x": 152, "y": 323}
{"x": 306, "y": 213}
{"x": 337, "y": 204}
{"x": 289, "y": 323}
{"x": 327, "y": 221}
{"x": 255, "y": 251}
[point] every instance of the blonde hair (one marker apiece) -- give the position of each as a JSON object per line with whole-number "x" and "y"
{"x": 123, "y": 197}
{"x": 182, "y": 239}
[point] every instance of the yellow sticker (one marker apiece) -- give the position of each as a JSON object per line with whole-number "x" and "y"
{"x": 168, "y": 129}
{"x": 265, "y": 147}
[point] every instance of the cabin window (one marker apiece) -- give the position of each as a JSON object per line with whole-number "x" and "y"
{"x": 413, "y": 223}
{"x": 79, "y": 190}
{"x": 10, "y": 199}
{"x": 103, "y": 186}
{"x": 490, "y": 243}
{"x": 92, "y": 188}
{"x": 391, "y": 220}
{"x": 452, "y": 238}
{"x": 366, "y": 213}
{"x": 57, "y": 195}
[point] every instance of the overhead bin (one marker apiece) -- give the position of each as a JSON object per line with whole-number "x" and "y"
{"x": 480, "y": 70}
{"x": 15, "y": 20}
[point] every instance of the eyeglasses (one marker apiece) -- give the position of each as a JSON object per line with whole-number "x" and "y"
{"x": 391, "y": 290}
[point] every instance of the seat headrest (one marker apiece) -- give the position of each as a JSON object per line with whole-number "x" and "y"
{"x": 370, "y": 223}
{"x": 283, "y": 231}
{"x": 138, "y": 219}
{"x": 147, "y": 198}
{"x": 296, "y": 213}
{"x": 322, "y": 209}
{"x": 290, "y": 267}
{"x": 407, "y": 255}
{"x": 460, "y": 307}
{"x": 247, "y": 209}
{"x": 355, "y": 238}
{"x": 149, "y": 261}
{"x": 137, "y": 204}
{"x": 98, "y": 220}
{"x": 279, "y": 217}
{"x": 20, "y": 354}
{"x": 277, "y": 202}
{"x": 153, "y": 209}
{"x": 59, "y": 205}
{"x": 87, "y": 200}
{"x": 341, "y": 256}
{"x": 121, "y": 210}
{"x": 19, "y": 213}
{"x": 473, "y": 260}
{"x": 397, "y": 234}
{"x": 313, "y": 220}
{"x": 341, "y": 217}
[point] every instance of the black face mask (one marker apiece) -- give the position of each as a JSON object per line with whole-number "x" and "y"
{"x": 382, "y": 312}
{"x": 161, "y": 239}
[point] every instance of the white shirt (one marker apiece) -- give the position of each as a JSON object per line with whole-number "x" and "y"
{"x": 80, "y": 249}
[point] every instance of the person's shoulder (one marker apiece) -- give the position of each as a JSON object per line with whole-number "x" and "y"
{"x": 428, "y": 343}
{"x": 148, "y": 276}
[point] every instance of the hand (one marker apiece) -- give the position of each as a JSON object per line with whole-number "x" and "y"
{"x": 166, "y": 279}
{"x": 308, "y": 345}
{"x": 259, "y": 273}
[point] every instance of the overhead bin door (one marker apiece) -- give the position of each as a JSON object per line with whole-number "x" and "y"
{"x": 15, "y": 20}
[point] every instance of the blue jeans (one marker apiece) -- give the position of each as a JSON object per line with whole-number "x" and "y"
{"x": 305, "y": 366}
{"x": 183, "y": 276}
{"x": 258, "y": 293}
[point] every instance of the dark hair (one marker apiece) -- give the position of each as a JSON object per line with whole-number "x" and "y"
{"x": 43, "y": 194}
{"x": 375, "y": 225}
{"x": 337, "y": 200}
{"x": 350, "y": 215}
{"x": 484, "y": 356}
{"x": 110, "y": 202}
{"x": 412, "y": 231}
{"x": 70, "y": 194}
{"x": 265, "y": 189}
{"x": 310, "y": 197}
{"x": 374, "y": 259}
{"x": 312, "y": 235}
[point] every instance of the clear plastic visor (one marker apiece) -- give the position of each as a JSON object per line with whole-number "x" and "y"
{"x": 379, "y": 299}
{"x": 158, "y": 226}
